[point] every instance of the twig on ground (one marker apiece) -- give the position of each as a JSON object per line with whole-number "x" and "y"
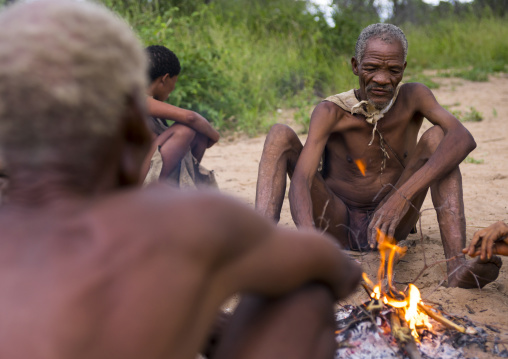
{"x": 322, "y": 217}
{"x": 470, "y": 310}
{"x": 432, "y": 265}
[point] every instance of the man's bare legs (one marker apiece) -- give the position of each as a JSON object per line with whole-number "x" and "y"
{"x": 280, "y": 153}
{"x": 299, "y": 325}
{"x": 447, "y": 199}
{"x": 175, "y": 142}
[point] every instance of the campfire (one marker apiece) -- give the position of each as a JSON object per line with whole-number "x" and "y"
{"x": 400, "y": 317}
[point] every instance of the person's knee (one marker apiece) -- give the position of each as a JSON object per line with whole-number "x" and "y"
{"x": 283, "y": 137}
{"x": 183, "y": 132}
{"x": 431, "y": 139}
{"x": 176, "y": 132}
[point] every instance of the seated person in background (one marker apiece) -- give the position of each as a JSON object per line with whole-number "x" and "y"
{"x": 98, "y": 272}
{"x": 375, "y": 171}
{"x": 188, "y": 137}
{"x": 489, "y": 241}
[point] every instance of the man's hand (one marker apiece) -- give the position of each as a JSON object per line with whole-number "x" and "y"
{"x": 489, "y": 241}
{"x": 185, "y": 117}
{"x": 387, "y": 217}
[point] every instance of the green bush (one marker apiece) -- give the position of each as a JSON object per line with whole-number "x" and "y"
{"x": 243, "y": 59}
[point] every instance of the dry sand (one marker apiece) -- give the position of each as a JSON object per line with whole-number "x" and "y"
{"x": 485, "y": 195}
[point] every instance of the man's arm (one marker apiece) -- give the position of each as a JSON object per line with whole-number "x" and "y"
{"x": 233, "y": 249}
{"x": 256, "y": 257}
{"x": 453, "y": 148}
{"x": 489, "y": 241}
{"x": 456, "y": 144}
{"x": 186, "y": 117}
{"x": 323, "y": 120}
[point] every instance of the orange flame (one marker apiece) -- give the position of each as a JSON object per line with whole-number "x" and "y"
{"x": 413, "y": 316}
{"x": 361, "y": 166}
{"x": 387, "y": 248}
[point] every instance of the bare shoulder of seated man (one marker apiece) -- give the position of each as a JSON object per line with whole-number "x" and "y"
{"x": 94, "y": 267}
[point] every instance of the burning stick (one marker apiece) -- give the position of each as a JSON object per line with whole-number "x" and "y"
{"x": 448, "y": 323}
{"x": 366, "y": 287}
{"x": 404, "y": 337}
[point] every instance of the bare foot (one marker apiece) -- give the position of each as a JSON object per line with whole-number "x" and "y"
{"x": 476, "y": 273}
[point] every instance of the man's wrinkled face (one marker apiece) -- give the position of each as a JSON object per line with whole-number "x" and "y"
{"x": 380, "y": 71}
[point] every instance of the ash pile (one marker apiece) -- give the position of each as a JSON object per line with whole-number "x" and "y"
{"x": 366, "y": 333}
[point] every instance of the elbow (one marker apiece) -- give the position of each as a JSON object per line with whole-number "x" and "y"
{"x": 191, "y": 118}
{"x": 470, "y": 142}
{"x": 473, "y": 143}
{"x": 463, "y": 139}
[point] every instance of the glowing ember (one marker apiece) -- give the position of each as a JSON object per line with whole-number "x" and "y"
{"x": 361, "y": 166}
{"x": 376, "y": 293}
{"x": 414, "y": 317}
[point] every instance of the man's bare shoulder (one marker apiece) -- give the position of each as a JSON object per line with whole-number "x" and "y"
{"x": 328, "y": 108}
{"x": 412, "y": 90}
{"x": 417, "y": 96}
{"x": 161, "y": 201}
{"x": 163, "y": 214}
{"x": 327, "y": 116}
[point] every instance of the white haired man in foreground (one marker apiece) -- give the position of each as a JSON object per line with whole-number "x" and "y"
{"x": 89, "y": 266}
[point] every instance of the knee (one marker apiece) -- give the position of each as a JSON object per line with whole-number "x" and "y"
{"x": 183, "y": 132}
{"x": 431, "y": 139}
{"x": 282, "y": 136}
{"x": 176, "y": 132}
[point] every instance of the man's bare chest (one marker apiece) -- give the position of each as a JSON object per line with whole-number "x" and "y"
{"x": 388, "y": 145}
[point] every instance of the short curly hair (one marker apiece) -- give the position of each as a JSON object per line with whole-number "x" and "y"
{"x": 162, "y": 61}
{"x": 385, "y": 32}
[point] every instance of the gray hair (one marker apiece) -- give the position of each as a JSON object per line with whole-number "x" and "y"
{"x": 67, "y": 69}
{"x": 385, "y": 32}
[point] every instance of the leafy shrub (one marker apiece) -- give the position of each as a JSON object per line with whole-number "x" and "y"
{"x": 243, "y": 59}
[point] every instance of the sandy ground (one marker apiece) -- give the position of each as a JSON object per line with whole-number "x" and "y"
{"x": 485, "y": 195}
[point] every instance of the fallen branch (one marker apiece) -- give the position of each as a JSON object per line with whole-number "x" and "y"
{"x": 446, "y": 322}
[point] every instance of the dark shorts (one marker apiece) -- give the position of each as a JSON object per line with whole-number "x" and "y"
{"x": 358, "y": 225}
{"x": 156, "y": 125}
